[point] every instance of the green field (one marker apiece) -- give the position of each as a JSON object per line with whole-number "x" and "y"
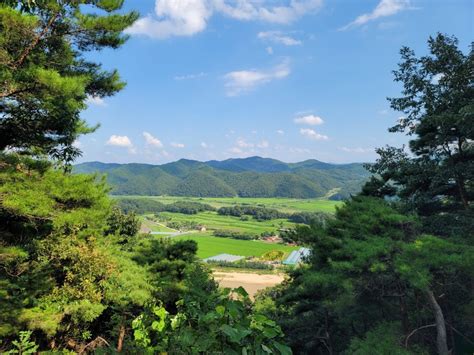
{"x": 210, "y": 246}
{"x": 154, "y": 227}
{"x": 281, "y": 204}
{"x": 213, "y": 221}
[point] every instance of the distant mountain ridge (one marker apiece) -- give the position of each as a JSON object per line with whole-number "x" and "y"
{"x": 245, "y": 177}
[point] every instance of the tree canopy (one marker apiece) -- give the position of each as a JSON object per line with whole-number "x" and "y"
{"x": 46, "y": 79}
{"x": 437, "y": 102}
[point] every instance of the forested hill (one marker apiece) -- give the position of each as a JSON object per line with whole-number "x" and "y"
{"x": 248, "y": 177}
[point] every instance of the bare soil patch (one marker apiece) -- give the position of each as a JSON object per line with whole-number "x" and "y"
{"x": 249, "y": 281}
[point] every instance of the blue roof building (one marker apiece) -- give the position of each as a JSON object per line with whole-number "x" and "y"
{"x": 297, "y": 256}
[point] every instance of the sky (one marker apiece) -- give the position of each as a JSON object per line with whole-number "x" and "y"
{"x": 285, "y": 79}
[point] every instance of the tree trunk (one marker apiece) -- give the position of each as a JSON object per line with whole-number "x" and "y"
{"x": 441, "y": 339}
{"x": 121, "y": 338}
{"x": 462, "y": 192}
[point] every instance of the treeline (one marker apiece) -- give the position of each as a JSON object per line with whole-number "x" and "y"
{"x": 146, "y": 205}
{"x": 259, "y": 213}
{"x": 242, "y": 264}
{"x": 224, "y": 233}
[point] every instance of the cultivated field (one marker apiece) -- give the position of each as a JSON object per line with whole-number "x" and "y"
{"x": 209, "y": 245}
{"x": 281, "y": 204}
{"x": 215, "y": 221}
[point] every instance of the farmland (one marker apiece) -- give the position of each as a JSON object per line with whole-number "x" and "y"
{"x": 204, "y": 226}
{"x": 209, "y": 245}
{"x": 282, "y": 204}
{"x": 214, "y": 221}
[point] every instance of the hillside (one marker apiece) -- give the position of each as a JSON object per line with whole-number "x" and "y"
{"x": 247, "y": 177}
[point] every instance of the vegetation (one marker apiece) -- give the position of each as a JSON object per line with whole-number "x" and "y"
{"x": 209, "y": 246}
{"x": 75, "y": 276}
{"x": 241, "y": 264}
{"x": 213, "y": 221}
{"x": 390, "y": 273}
{"x": 395, "y": 277}
{"x": 250, "y": 177}
{"x": 287, "y": 205}
{"x": 142, "y": 206}
{"x": 45, "y": 75}
{"x": 234, "y": 235}
{"x": 259, "y": 213}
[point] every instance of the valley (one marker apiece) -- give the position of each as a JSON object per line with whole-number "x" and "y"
{"x": 259, "y": 238}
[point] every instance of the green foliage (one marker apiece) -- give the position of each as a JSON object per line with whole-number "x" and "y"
{"x": 45, "y": 77}
{"x": 123, "y": 224}
{"x": 369, "y": 263}
{"x": 234, "y": 235}
{"x": 142, "y": 206}
{"x": 24, "y": 345}
{"x": 241, "y": 264}
{"x": 248, "y": 179}
{"x": 272, "y": 255}
{"x": 383, "y": 339}
{"x": 259, "y": 213}
{"x": 436, "y": 180}
{"x": 217, "y": 324}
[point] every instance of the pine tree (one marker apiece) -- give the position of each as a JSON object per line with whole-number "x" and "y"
{"x": 45, "y": 77}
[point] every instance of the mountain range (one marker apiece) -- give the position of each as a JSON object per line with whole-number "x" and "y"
{"x": 244, "y": 177}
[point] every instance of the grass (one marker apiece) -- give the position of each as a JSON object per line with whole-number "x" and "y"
{"x": 281, "y": 204}
{"x": 213, "y": 221}
{"x": 154, "y": 227}
{"x": 209, "y": 245}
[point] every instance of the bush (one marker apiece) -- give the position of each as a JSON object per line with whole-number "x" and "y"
{"x": 234, "y": 235}
{"x": 259, "y": 213}
{"x": 143, "y": 205}
{"x": 273, "y": 255}
{"x": 242, "y": 264}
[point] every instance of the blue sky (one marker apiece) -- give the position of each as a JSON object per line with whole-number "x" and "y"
{"x": 287, "y": 79}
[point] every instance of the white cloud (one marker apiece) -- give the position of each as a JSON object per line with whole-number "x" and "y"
{"x": 269, "y": 50}
{"x": 356, "y": 150}
{"x": 177, "y": 145}
{"x": 280, "y": 132}
{"x": 236, "y": 150}
{"x": 310, "y": 120}
{"x": 279, "y": 37}
{"x": 95, "y": 100}
{"x": 312, "y": 134}
{"x": 204, "y": 145}
{"x": 241, "y": 81}
{"x": 188, "y": 17}
{"x": 190, "y": 76}
{"x": 120, "y": 141}
{"x": 299, "y": 150}
{"x": 383, "y": 9}
{"x": 150, "y": 140}
{"x": 256, "y": 10}
{"x": 263, "y": 144}
{"x": 242, "y": 143}
{"x": 77, "y": 144}
{"x": 173, "y": 18}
